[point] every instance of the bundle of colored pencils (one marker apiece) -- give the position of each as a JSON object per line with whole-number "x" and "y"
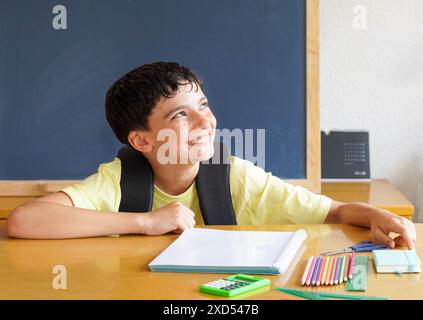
{"x": 328, "y": 270}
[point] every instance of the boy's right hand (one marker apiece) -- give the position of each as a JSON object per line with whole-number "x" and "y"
{"x": 172, "y": 217}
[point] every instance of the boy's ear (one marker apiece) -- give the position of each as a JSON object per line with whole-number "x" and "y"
{"x": 140, "y": 141}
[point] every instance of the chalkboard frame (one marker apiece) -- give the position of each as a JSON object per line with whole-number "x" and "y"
{"x": 18, "y": 191}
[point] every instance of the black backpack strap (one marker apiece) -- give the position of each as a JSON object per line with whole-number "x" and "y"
{"x": 213, "y": 189}
{"x": 136, "y": 181}
{"x": 212, "y": 183}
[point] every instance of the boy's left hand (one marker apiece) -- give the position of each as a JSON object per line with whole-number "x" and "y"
{"x": 383, "y": 223}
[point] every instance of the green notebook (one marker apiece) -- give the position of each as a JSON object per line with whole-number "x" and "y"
{"x": 392, "y": 261}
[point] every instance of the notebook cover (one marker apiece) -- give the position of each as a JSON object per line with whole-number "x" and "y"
{"x": 396, "y": 260}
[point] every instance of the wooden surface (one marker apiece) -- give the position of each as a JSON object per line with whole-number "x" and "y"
{"x": 379, "y": 193}
{"x": 117, "y": 267}
{"x": 31, "y": 188}
{"x": 15, "y": 192}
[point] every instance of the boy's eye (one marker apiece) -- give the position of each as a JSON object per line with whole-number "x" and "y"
{"x": 179, "y": 115}
{"x": 204, "y": 105}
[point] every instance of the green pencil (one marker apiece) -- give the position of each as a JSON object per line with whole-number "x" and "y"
{"x": 341, "y": 272}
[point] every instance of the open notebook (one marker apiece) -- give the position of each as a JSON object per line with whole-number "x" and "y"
{"x": 221, "y": 251}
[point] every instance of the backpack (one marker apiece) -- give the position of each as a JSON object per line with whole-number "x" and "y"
{"x": 212, "y": 183}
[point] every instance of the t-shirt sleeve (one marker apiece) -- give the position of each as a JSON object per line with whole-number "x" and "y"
{"x": 261, "y": 198}
{"x": 100, "y": 191}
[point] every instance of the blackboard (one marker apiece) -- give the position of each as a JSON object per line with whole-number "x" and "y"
{"x": 250, "y": 53}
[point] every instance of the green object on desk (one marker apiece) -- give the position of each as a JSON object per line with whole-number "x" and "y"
{"x": 234, "y": 285}
{"x": 359, "y": 279}
{"x": 326, "y": 295}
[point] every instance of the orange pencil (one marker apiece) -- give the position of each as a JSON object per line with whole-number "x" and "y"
{"x": 319, "y": 276}
{"x": 328, "y": 274}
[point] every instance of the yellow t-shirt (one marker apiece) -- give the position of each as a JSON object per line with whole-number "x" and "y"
{"x": 258, "y": 197}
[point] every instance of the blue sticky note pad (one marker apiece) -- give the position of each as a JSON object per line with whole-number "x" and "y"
{"x": 391, "y": 261}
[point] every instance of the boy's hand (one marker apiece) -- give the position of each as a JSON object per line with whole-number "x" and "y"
{"x": 172, "y": 217}
{"x": 383, "y": 223}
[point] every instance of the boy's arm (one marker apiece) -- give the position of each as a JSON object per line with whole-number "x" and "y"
{"x": 381, "y": 222}
{"x": 54, "y": 217}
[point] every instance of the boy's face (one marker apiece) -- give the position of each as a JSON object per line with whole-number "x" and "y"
{"x": 182, "y": 128}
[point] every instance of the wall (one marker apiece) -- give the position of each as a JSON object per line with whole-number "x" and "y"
{"x": 372, "y": 79}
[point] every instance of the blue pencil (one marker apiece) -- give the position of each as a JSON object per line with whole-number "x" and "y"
{"x": 338, "y": 268}
{"x": 316, "y": 271}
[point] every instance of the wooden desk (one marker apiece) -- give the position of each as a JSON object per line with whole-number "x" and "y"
{"x": 7, "y": 204}
{"x": 117, "y": 268}
{"x": 379, "y": 193}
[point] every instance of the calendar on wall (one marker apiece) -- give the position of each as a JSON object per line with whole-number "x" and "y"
{"x": 345, "y": 155}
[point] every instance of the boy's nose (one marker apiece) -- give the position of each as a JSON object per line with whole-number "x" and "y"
{"x": 201, "y": 120}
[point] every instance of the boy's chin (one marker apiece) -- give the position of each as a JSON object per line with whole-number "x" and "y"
{"x": 201, "y": 154}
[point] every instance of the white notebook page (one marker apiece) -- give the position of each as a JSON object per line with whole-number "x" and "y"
{"x": 209, "y": 247}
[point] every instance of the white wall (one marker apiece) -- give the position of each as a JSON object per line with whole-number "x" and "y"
{"x": 373, "y": 79}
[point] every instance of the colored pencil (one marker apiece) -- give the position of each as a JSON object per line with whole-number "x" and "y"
{"x": 328, "y": 269}
{"x": 347, "y": 265}
{"x": 316, "y": 271}
{"x": 341, "y": 272}
{"x": 310, "y": 272}
{"x": 332, "y": 274}
{"x": 338, "y": 267}
{"x": 306, "y": 271}
{"x": 322, "y": 268}
{"x": 351, "y": 268}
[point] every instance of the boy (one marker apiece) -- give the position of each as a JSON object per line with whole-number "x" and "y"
{"x": 140, "y": 106}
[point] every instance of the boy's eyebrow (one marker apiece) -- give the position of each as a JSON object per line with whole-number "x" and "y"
{"x": 203, "y": 98}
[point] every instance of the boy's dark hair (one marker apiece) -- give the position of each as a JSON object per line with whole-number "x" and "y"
{"x": 131, "y": 99}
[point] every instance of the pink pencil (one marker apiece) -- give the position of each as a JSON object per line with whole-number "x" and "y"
{"x": 306, "y": 271}
{"x": 319, "y": 276}
{"x": 347, "y": 264}
{"x": 330, "y": 271}
{"x": 351, "y": 267}
{"x": 332, "y": 274}
{"x": 310, "y": 272}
